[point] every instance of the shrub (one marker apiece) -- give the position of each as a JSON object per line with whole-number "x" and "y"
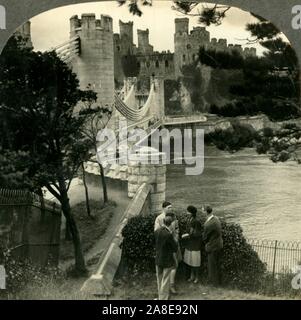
{"x": 241, "y": 266}
{"x": 236, "y": 137}
{"x": 275, "y": 109}
{"x": 268, "y": 132}
{"x": 263, "y": 147}
{"x": 22, "y": 272}
{"x": 138, "y": 244}
{"x": 171, "y": 97}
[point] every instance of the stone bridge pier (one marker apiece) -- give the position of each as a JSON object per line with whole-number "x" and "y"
{"x": 144, "y": 170}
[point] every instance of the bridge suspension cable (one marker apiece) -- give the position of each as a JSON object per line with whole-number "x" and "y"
{"x": 130, "y": 113}
{"x": 68, "y": 50}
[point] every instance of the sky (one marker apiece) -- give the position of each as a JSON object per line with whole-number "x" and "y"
{"x": 51, "y": 28}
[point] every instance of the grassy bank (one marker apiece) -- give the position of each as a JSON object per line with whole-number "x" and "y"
{"x": 91, "y": 228}
{"x": 142, "y": 288}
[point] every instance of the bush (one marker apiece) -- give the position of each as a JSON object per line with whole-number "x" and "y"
{"x": 138, "y": 244}
{"x": 171, "y": 97}
{"x": 236, "y": 137}
{"x": 275, "y": 109}
{"x": 22, "y": 272}
{"x": 241, "y": 266}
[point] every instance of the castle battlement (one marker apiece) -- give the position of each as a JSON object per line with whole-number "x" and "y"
{"x": 187, "y": 45}
{"x": 182, "y": 26}
{"x": 88, "y": 22}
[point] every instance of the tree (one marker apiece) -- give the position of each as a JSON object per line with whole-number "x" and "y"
{"x": 38, "y": 99}
{"x": 96, "y": 120}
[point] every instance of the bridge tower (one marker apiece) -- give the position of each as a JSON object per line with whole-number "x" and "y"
{"x": 95, "y": 63}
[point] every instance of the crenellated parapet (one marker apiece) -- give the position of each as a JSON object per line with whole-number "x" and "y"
{"x": 89, "y": 23}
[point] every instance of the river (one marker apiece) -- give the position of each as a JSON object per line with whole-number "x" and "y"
{"x": 246, "y": 188}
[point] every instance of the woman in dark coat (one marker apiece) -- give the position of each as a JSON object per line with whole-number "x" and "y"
{"x": 192, "y": 244}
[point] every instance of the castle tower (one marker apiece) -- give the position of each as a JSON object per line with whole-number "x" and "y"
{"x": 95, "y": 64}
{"x": 181, "y": 38}
{"x": 126, "y": 30}
{"x": 143, "y": 42}
{"x": 182, "y": 25}
{"x": 126, "y": 37}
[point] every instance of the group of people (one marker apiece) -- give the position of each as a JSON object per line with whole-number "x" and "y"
{"x": 169, "y": 252}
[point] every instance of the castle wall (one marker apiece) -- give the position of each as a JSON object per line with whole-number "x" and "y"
{"x": 165, "y": 64}
{"x": 95, "y": 63}
{"x": 187, "y": 45}
{"x": 156, "y": 64}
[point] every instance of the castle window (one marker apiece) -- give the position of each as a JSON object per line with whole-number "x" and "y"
{"x": 138, "y": 65}
{"x": 188, "y": 46}
{"x": 184, "y": 57}
{"x": 166, "y": 64}
{"x": 157, "y": 64}
{"x": 118, "y": 48}
{"x": 148, "y": 64}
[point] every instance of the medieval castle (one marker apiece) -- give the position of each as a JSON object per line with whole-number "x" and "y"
{"x": 99, "y": 55}
{"x": 166, "y": 64}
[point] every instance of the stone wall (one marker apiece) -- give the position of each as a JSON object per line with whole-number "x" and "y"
{"x": 156, "y": 64}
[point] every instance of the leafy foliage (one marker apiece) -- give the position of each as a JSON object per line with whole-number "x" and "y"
{"x": 39, "y": 101}
{"x": 38, "y": 112}
{"x": 172, "y": 101}
{"x": 241, "y": 266}
{"x": 236, "y": 137}
{"x": 281, "y": 144}
{"x": 134, "y": 5}
{"x": 275, "y": 109}
{"x": 220, "y": 59}
{"x": 23, "y": 272}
